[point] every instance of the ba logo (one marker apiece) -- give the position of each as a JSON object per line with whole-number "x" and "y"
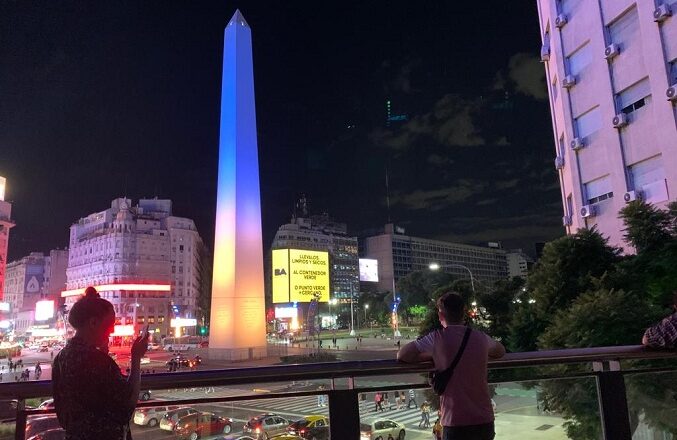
{"x": 280, "y": 272}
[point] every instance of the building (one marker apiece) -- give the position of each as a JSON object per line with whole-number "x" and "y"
{"x": 410, "y": 254}
{"x": 6, "y": 224}
{"x": 143, "y": 259}
{"x": 31, "y": 279}
{"x": 611, "y": 69}
{"x": 321, "y": 233}
{"x": 519, "y": 263}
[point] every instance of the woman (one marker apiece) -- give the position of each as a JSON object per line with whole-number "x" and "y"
{"x": 93, "y": 400}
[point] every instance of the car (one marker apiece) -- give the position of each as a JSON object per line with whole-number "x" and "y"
{"x": 37, "y": 425}
{"x": 381, "y": 429}
{"x": 183, "y": 361}
{"x": 266, "y": 426}
{"x": 50, "y": 434}
{"x": 44, "y": 348}
{"x": 313, "y": 427}
{"x": 47, "y": 404}
{"x": 144, "y": 395}
{"x": 286, "y": 437}
{"x": 151, "y": 416}
{"x": 202, "y": 424}
{"x": 145, "y": 360}
{"x": 170, "y": 418}
{"x": 152, "y": 346}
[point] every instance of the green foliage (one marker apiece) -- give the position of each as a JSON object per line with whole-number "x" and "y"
{"x": 416, "y": 288}
{"x": 646, "y": 227}
{"x": 418, "y": 312}
{"x": 499, "y": 304}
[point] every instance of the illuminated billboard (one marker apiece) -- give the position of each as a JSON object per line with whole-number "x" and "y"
{"x": 300, "y": 276}
{"x": 44, "y": 310}
{"x": 183, "y": 322}
{"x": 368, "y": 270}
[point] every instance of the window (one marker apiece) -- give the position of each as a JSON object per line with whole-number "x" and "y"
{"x": 588, "y": 123}
{"x": 648, "y": 176}
{"x": 624, "y": 31}
{"x": 634, "y": 97}
{"x": 561, "y": 148}
{"x": 570, "y": 205}
{"x": 598, "y": 190}
{"x": 672, "y": 72}
{"x": 579, "y": 60}
{"x": 554, "y": 89}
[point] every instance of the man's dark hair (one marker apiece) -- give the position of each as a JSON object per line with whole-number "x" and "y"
{"x": 452, "y": 305}
{"x": 91, "y": 305}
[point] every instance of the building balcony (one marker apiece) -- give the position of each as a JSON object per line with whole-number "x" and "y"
{"x": 618, "y": 393}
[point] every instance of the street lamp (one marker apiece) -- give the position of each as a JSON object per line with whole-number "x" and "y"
{"x": 435, "y": 266}
{"x": 332, "y": 301}
{"x": 352, "y": 320}
{"x": 366, "y": 307}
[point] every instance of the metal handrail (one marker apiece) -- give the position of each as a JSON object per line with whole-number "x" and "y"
{"x": 345, "y": 369}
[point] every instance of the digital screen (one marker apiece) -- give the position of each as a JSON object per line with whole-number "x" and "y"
{"x": 300, "y": 276}
{"x": 286, "y": 312}
{"x": 183, "y": 322}
{"x": 4, "y": 307}
{"x": 44, "y": 310}
{"x": 368, "y": 270}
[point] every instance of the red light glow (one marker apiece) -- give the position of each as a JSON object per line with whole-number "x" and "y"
{"x": 117, "y": 287}
{"x": 123, "y": 330}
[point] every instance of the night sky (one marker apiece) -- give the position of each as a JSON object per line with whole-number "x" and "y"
{"x": 110, "y": 98}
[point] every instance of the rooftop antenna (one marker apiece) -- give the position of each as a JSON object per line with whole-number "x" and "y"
{"x": 387, "y": 194}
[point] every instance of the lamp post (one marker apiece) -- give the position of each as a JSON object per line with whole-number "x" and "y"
{"x": 366, "y": 307}
{"x": 435, "y": 266}
{"x": 396, "y": 324}
{"x": 333, "y": 301}
{"x": 352, "y": 319}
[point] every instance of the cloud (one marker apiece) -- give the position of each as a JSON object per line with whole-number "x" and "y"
{"x": 438, "y": 199}
{"x": 437, "y": 159}
{"x": 526, "y": 73}
{"x": 450, "y": 123}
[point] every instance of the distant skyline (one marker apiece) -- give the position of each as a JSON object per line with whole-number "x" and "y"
{"x": 104, "y": 100}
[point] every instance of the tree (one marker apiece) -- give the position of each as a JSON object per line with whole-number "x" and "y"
{"x": 646, "y": 227}
{"x": 416, "y": 288}
{"x": 500, "y": 304}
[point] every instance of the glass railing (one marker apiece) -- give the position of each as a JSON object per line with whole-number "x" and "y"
{"x": 559, "y": 394}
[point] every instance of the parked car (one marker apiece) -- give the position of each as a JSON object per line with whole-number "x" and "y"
{"x": 151, "y": 416}
{"x": 47, "y": 404}
{"x": 38, "y": 425}
{"x": 144, "y": 395}
{"x": 266, "y": 426}
{"x": 183, "y": 361}
{"x": 310, "y": 427}
{"x": 381, "y": 429}
{"x": 50, "y": 434}
{"x": 202, "y": 424}
{"x": 170, "y": 418}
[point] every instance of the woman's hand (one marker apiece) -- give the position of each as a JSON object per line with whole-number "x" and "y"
{"x": 140, "y": 346}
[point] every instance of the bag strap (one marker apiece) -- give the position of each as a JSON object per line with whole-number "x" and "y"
{"x": 456, "y": 360}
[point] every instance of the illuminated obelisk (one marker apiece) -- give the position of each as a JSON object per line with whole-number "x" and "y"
{"x": 237, "y": 324}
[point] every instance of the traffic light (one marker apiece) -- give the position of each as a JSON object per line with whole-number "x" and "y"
{"x": 203, "y": 330}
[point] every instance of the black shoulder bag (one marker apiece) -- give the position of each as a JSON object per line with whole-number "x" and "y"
{"x": 440, "y": 379}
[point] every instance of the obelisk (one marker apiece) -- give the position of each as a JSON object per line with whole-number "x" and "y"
{"x": 237, "y": 326}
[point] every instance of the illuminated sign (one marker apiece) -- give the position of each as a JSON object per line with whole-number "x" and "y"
{"x": 123, "y": 330}
{"x": 300, "y": 276}
{"x": 183, "y": 322}
{"x": 286, "y": 312}
{"x": 4, "y": 307}
{"x": 44, "y": 310}
{"x": 5, "y": 324}
{"x": 368, "y": 270}
{"x": 45, "y": 332}
{"x": 117, "y": 287}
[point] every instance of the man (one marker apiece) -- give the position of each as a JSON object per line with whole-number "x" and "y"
{"x": 466, "y": 412}
{"x": 663, "y": 334}
{"x": 412, "y": 399}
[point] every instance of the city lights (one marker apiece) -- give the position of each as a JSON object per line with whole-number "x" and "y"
{"x": 119, "y": 287}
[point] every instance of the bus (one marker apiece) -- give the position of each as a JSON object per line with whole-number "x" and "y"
{"x": 183, "y": 343}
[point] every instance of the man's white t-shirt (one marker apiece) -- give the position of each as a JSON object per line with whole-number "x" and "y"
{"x": 466, "y": 399}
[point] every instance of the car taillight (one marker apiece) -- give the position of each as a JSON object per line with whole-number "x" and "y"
{"x": 258, "y": 430}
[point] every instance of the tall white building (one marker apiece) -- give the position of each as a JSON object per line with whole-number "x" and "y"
{"x": 611, "y": 68}
{"x": 145, "y": 260}
{"x": 398, "y": 255}
{"x": 519, "y": 263}
{"x": 6, "y": 224}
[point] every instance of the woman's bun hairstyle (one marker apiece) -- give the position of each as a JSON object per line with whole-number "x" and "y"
{"x": 91, "y": 305}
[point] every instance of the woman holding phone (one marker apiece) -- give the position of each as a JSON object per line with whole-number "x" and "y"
{"x": 93, "y": 400}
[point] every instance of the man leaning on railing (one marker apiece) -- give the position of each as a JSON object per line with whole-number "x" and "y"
{"x": 460, "y": 356}
{"x": 663, "y": 334}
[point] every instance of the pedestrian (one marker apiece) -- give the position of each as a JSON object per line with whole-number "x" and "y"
{"x": 425, "y": 411}
{"x": 378, "y": 402}
{"x": 403, "y": 398}
{"x": 663, "y": 334}
{"x": 412, "y": 399}
{"x": 386, "y": 400}
{"x": 10, "y": 366}
{"x": 397, "y": 400}
{"x": 465, "y": 404}
{"x": 91, "y": 397}
{"x": 398, "y": 344}
{"x": 437, "y": 428}
{"x": 27, "y": 374}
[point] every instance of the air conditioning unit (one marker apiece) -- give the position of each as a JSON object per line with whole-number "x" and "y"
{"x": 567, "y": 220}
{"x": 569, "y": 81}
{"x": 577, "y": 143}
{"x": 545, "y": 53}
{"x": 588, "y": 211}
{"x": 661, "y": 13}
{"x": 671, "y": 92}
{"x": 560, "y": 21}
{"x": 631, "y": 196}
{"x": 559, "y": 162}
{"x": 611, "y": 51}
{"x": 620, "y": 120}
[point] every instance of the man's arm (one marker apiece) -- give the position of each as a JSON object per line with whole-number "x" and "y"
{"x": 410, "y": 354}
{"x": 657, "y": 335}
